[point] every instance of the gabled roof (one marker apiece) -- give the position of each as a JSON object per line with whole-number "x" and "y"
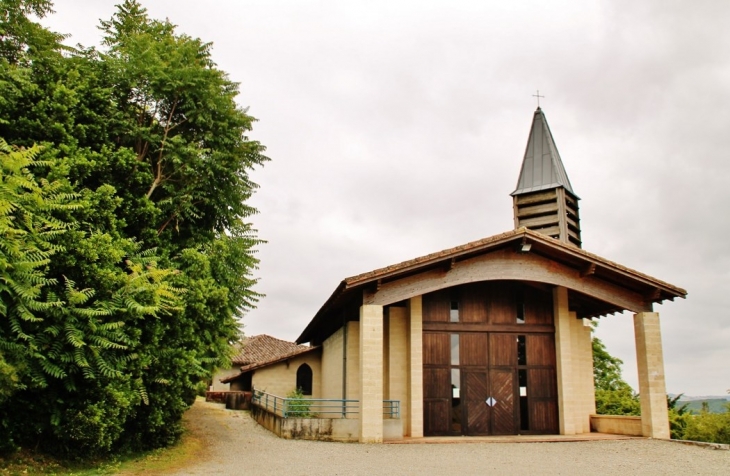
{"x": 567, "y": 256}
{"x": 263, "y": 348}
{"x": 301, "y": 349}
{"x": 542, "y": 168}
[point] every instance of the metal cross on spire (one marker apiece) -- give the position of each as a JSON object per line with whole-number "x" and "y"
{"x": 538, "y": 98}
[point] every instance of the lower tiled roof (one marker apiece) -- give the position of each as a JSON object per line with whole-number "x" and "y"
{"x": 264, "y": 348}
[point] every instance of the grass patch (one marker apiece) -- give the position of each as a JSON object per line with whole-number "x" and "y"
{"x": 156, "y": 462}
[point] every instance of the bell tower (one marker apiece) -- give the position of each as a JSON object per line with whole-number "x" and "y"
{"x": 544, "y": 200}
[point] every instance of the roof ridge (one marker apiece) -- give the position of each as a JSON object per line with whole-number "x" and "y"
{"x": 496, "y": 238}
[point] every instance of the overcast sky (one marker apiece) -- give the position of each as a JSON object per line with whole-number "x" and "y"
{"x": 398, "y": 128}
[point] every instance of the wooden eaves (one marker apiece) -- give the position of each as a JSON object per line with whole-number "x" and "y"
{"x": 586, "y": 264}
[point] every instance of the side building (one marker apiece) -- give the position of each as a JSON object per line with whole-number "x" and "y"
{"x": 273, "y": 365}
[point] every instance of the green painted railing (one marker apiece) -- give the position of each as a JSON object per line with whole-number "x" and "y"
{"x": 317, "y": 407}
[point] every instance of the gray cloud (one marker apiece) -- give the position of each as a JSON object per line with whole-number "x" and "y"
{"x": 397, "y": 129}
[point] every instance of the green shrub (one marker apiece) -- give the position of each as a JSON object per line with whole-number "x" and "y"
{"x": 622, "y": 401}
{"x": 298, "y": 405}
{"x": 709, "y": 427}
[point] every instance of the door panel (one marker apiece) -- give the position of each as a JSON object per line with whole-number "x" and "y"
{"x": 473, "y": 304}
{"x": 473, "y": 349}
{"x": 541, "y": 349}
{"x": 543, "y": 401}
{"x": 476, "y": 410}
{"x": 436, "y": 383}
{"x": 436, "y": 306}
{"x": 541, "y": 383}
{"x": 502, "y": 350}
{"x": 436, "y": 400}
{"x": 544, "y": 417}
{"x": 501, "y": 305}
{"x": 436, "y": 349}
{"x": 436, "y": 417}
{"x": 502, "y": 389}
{"x": 538, "y": 306}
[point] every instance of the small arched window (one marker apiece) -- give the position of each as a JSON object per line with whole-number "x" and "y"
{"x": 304, "y": 379}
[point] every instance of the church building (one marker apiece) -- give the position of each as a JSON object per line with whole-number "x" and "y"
{"x": 492, "y": 337}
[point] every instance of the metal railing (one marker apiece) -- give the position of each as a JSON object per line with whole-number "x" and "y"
{"x": 317, "y": 407}
{"x": 391, "y": 408}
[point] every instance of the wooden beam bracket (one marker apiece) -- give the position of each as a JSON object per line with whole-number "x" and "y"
{"x": 589, "y": 270}
{"x": 653, "y": 295}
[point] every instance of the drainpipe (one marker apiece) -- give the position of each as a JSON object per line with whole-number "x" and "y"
{"x": 344, "y": 365}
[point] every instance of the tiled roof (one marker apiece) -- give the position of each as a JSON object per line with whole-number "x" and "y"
{"x": 264, "y": 348}
{"x": 550, "y": 247}
{"x": 256, "y": 365}
{"x": 485, "y": 243}
{"x": 430, "y": 258}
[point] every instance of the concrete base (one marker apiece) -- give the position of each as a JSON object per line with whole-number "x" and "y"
{"x": 233, "y": 400}
{"x": 321, "y": 429}
{"x": 617, "y": 424}
{"x": 511, "y": 439}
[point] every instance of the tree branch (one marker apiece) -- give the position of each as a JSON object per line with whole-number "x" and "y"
{"x": 158, "y": 175}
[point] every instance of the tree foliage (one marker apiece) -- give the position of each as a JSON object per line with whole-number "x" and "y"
{"x": 616, "y": 397}
{"x": 125, "y": 255}
{"x": 613, "y": 395}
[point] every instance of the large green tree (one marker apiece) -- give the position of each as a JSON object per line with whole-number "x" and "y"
{"x": 154, "y": 259}
{"x": 614, "y": 396}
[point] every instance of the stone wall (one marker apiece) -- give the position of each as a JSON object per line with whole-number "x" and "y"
{"x": 616, "y": 424}
{"x": 321, "y": 429}
{"x": 332, "y": 362}
{"x": 280, "y": 379}
{"x": 353, "y": 360}
{"x": 216, "y": 385}
{"x": 583, "y": 385}
{"x": 574, "y": 356}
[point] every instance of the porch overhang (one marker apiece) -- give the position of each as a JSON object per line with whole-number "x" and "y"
{"x": 597, "y": 286}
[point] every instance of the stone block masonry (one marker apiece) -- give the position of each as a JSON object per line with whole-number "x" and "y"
{"x": 652, "y": 387}
{"x": 371, "y": 374}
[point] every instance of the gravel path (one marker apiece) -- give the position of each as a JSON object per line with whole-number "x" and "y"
{"x": 237, "y": 445}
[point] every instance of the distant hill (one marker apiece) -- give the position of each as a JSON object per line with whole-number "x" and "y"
{"x": 716, "y": 403}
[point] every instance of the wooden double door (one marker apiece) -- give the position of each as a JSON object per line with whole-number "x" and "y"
{"x": 489, "y": 383}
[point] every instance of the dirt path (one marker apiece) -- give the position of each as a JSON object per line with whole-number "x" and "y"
{"x": 237, "y": 445}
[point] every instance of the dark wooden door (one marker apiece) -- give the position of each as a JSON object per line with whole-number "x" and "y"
{"x": 437, "y": 392}
{"x": 542, "y": 392}
{"x": 477, "y": 413}
{"x": 500, "y": 376}
{"x": 436, "y": 401}
{"x": 502, "y": 392}
{"x": 489, "y": 407}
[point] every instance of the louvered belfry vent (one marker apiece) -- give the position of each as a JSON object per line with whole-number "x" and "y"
{"x": 544, "y": 200}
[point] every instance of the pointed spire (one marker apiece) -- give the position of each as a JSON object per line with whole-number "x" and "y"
{"x": 544, "y": 200}
{"x": 542, "y": 168}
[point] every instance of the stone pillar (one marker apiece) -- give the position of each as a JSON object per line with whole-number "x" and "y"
{"x": 650, "y": 362}
{"x": 564, "y": 362}
{"x": 589, "y": 393}
{"x": 371, "y": 373}
{"x": 583, "y": 389}
{"x": 414, "y": 427}
{"x": 398, "y": 362}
